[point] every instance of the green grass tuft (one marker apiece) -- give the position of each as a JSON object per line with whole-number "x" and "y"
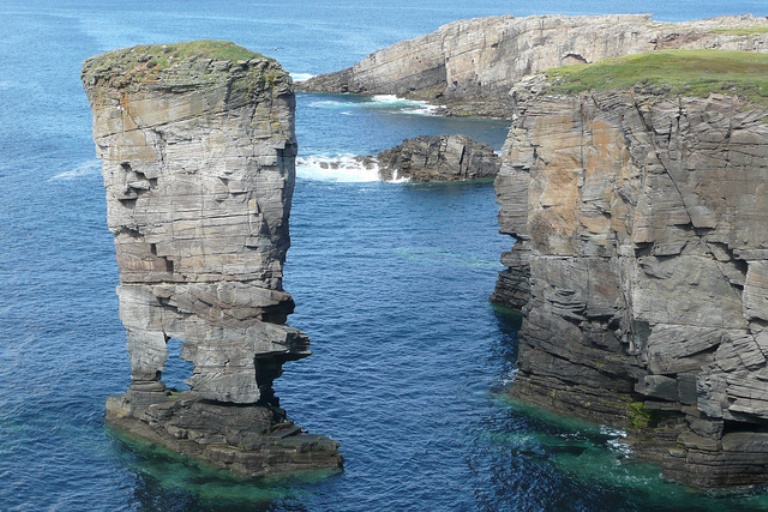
{"x": 741, "y": 31}
{"x": 162, "y": 56}
{"x": 689, "y": 72}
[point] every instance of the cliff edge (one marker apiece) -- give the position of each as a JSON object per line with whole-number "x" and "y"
{"x": 197, "y": 146}
{"x": 469, "y": 66}
{"x": 641, "y": 260}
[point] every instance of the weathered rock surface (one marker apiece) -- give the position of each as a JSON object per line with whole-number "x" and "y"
{"x": 198, "y": 147}
{"x": 470, "y": 65}
{"x": 641, "y": 263}
{"x": 439, "y": 158}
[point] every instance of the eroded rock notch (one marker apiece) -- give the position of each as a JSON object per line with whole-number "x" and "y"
{"x": 198, "y": 147}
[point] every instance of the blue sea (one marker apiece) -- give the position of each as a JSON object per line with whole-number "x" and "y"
{"x": 391, "y": 282}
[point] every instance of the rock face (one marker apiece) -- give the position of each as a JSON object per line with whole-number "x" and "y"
{"x": 642, "y": 269}
{"x": 439, "y": 158}
{"x": 469, "y": 66}
{"x": 197, "y": 146}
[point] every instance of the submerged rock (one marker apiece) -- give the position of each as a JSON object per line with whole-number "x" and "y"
{"x": 439, "y": 158}
{"x": 198, "y": 152}
{"x": 469, "y": 66}
{"x": 641, "y": 265}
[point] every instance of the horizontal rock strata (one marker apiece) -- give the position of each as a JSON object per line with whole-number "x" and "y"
{"x": 641, "y": 263}
{"x": 439, "y": 158}
{"x": 197, "y": 146}
{"x": 470, "y": 65}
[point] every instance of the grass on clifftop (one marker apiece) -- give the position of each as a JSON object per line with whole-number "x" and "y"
{"x": 688, "y": 72}
{"x": 187, "y": 62}
{"x": 749, "y": 31}
{"x": 206, "y": 48}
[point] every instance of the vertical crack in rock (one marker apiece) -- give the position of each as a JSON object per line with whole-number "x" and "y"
{"x": 198, "y": 148}
{"x": 655, "y": 316}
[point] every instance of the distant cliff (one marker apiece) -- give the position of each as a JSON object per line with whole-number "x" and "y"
{"x": 641, "y": 264}
{"x": 469, "y": 66}
{"x": 197, "y": 146}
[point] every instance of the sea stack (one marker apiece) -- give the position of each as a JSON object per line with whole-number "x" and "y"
{"x": 641, "y": 261}
{"x": 198, "y": 150}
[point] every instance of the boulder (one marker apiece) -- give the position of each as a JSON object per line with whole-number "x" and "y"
{"x": 439, "y": 158}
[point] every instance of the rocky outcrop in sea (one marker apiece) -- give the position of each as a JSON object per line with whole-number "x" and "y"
{"x": 197, "y": 146}
{"x": 641, "y": 265}
{"x": 439, "y": 158}
{"x": 469, "y": 66}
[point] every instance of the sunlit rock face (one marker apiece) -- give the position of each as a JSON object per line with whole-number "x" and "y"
{"x": 641, "y": 267}
{"x": 198, "y": 147}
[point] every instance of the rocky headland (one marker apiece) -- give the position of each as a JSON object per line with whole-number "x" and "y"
{"x": 641, "y": 261}
{"x": 439, "y": 158}
{"x": 469, "y": 66}
{"x": 198, "y": 152}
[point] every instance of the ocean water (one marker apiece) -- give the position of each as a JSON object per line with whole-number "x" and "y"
{"x": 390, "y": 279}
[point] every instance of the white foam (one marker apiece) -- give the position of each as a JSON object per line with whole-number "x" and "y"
{"x": 386, "y": 102}
{"x": 333, "y": 104}
{"x": 390, "y": 101}
{"x": 87, "y": 168}
{"x": 301, "y": 77}
{"x": 395, "y": 179}
{"x": 336, "y": 169}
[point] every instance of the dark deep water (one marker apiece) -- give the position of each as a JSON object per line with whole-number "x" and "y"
{"x": 391, "y": 283}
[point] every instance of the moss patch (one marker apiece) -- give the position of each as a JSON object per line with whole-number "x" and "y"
{"x": 689, "y": 72}
{"x": 640, "y": 417}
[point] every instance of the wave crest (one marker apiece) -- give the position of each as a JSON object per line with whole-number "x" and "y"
{"x": 380, "y": 102}
{"x": 87, "y": 168}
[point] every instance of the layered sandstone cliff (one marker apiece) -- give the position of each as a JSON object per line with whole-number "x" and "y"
{"x": 197, "y": 146}
{"x": 470, "y": 65}
{"x": 641, "y": 264}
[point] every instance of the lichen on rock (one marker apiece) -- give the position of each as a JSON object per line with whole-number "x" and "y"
{"x": 198, "y": 156}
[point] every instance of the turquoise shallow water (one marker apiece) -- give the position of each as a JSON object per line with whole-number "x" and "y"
{"x": 391, "y": 283}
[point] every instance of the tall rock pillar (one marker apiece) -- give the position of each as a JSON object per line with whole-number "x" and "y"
{"x": 198, "y": 148}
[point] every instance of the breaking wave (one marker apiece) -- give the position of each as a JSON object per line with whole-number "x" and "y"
{"x": 382, "y": 103}
{"x": 338, "y": 169}
{"x": 301, "y": 77}
{"x": 346, "y": 168}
